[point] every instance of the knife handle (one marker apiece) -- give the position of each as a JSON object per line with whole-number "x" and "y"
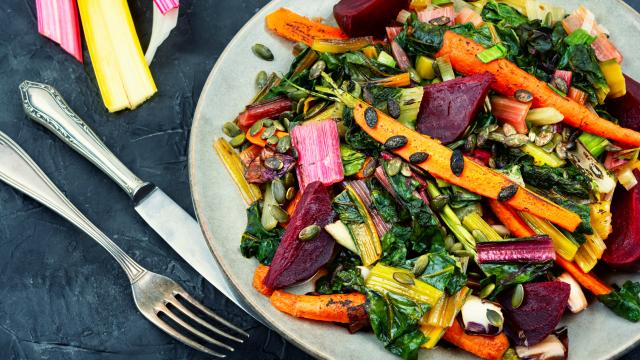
{"x": 44, "y": 105}
{"x": 21, "y": 172}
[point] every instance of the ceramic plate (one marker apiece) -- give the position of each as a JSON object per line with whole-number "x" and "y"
{"x": 594, "y": 334}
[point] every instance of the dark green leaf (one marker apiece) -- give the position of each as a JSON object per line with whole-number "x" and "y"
{"x": 257, "y": 241}
{"x": 625, "y": 301}
{"x": 568, "y": 181}
{"x": 506, "y": 274}
{"x": 345, "y": 278}
{"x": 502, "y": 14}
{"x": 395, "y": 243}
{"x": 383, "y": 202}
{"x": 352, "y": 160}
{"x": 444, "y": 272}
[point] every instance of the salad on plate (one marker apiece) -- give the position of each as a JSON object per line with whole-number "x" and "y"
{"x": 443, "y": 173}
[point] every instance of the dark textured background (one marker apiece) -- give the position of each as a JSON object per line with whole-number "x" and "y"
{"x": 61, "y": 295}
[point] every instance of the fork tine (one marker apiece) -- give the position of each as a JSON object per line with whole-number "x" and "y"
{"x": 207, "y": 311}
{"x": 200, "y": 321}
{"x": 183, "y": 339}
{"x": 193, "y": 330}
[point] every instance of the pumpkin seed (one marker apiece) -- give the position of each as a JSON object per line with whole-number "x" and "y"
{"x": 463, "y": 253}
{"x": 370, "y": 167}
{"x": 371, "y": 117}
{"x": 300, "y": 105}
{"x": 440, "y": 201}
{"x": 494, "y": 318}
{"x": 255, "y": 128}
{"x": 523, "y": 95}
{"x": 508, "y": 192}
{"x": 544, "y": 138}
{"x": 405, "y": 170}
{"x": 261, "y": 79}
{"x": 470, "y": 143}
{"x": 393, "y": 166}
{"x": 479, "y": 235}
{"x": 508, "y": 130}
{"x": 395, "y": 142}
{"x": 403, "y": 278}
{"x": 289, "y": 179}
{"x": 284, "y": 144}
{"x": 268, "y": 132}
{"x": 516, "y": 140}
{"x": 418, "y": 157}
{"x": 273, "y": 140}
{"x": 560, "y": 84}
{"x": 456, "y": 163}
{"x": 279, "y": 214}
{"x": 267, "y": 122}
{"x": 278, "y": 191}
{"x": 278, "y": 125}
{"x": 237, "y": 140}
{"x": 262, "y": 52}
{"x": 518, "y": 296}
{"x": 482, "y": 137}
{"x": 487, "y": 290}
{"x": 309, "y": 233}
{"x": 297, "y": 95}
{"x": 231, "y": 129}
{"x": 273, "y": 163}
{"x": 317, "y": 69}
{"x": 440, "y": 21}
{"x": 291, "y": 193}
{"x": 287, "y": 123}
{"x": 393, "y": 108}
{"x": 420, "y": 265}
{"x": 456, "y": 247}
{"x": 449, "y": 241}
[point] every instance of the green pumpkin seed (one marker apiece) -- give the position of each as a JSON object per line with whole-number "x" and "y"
{"x": 440, "y": 201}
{"x": 237, "y": 140}
{"x": 261, "y": 79}
{"x": 273, "y": 140}
{"x": 273, "y": 163}
{"x": 487, "y": 290}
{"x": 405, "y": 170}
{"x": 479, "y": 235}
{"x": 456, "y": 247}
{"x": 421, "y": 264}
{"x": 289, "y": 179}
{"x": 291, "y": 193}
{"x": 440, "y": 21}
{"x": 403, "y": 278}
{"x": 456, "y": 163}
{"x": 297, "y": 95}
{"x": 418, "y": 157}
{"x": 279, "y": 214}
{"x": 317, "y": 69}
{"x": 393, "y": 166}
{"x": 278, "y": 191}
{"x": 255, "y": 128}
{"x": 395, "y": 142}
{"x": 284, "y": 144}
{"x": 370, "y": 168}
{"x": 231, "y": 129}
{"x": 267, "y": 122}
{"x": 518, "y": 296}
{"x": 262, "y": 52}
{"x": 268, "y": 132}
{"x": 309, "y": 233}
{"x": 449, "y": 242}
{"x": 463, "y": 253}
{"x": 523, "y": 95}
{"x": 516, "y": 140}
{"x": 494, "y": 318}
{"x": 508, "y": 192}
{"x": 278, "y": 125}
{"x": 371, "y": 117}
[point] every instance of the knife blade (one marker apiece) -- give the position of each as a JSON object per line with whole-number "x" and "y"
{"x": 44, "y": 104}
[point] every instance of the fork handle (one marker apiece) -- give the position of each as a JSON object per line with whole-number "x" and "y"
{"x": 44, "y": 105}
{"x": 20, "y": 171}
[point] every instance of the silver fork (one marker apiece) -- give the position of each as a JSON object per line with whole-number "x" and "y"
{"x": 152, "y": 293}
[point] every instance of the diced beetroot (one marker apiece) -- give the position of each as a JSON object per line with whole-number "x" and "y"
{"x": 627, "y": 108}
{"x": 539, "y": 313}
{"x": 448, "y": 107}
{"x": 267, "y": 109}
{"x": 623, "y": 245}
{"x": 297, "y": 260}
{"x": 366, "y": 17}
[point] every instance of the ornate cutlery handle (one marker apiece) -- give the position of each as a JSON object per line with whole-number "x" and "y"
{"x": 20, "y": 171}
{"x": 44, "y": 105}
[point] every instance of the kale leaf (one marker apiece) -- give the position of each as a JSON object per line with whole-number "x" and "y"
{"x": 625, "y": 301}
{"x": 568, "y": 181}
{"x": 506, "y": 274}
{"x": 395, "y": 243}
{"x": 502, "y": 15}
{"x": 344, "y": 279}
{"x": 444, "y": 272}
{"x": 395, "y": 321}
{"x": 383, "y": 202}
{"x": 257, "y": 241}
{"x": 425, "y": 39}
{"x": 355, "y": 137}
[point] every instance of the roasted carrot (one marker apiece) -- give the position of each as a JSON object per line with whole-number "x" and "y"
{"x": 294, "y": 27}
{"x": 509, "y": 78}
{"x": 486, "y": 347}
{"x": 587, "y": 280}
{"x": 342, "y": 308}
{"x": 258, "y": 280}
{"x": 247, "y": 155}
{"x": 474, "y": 177}
{"x": 257, "y": 140}
{"x": 400, "y": 80}
{"x": 509, "y": 218}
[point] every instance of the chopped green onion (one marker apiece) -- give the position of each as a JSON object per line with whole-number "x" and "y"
{"x": 409, "y": 102}
{"x": 493, "y": 53}
{"x": 594, "y": 143}
{"x": 386, "y": 59}
{"x": 446, "y": 70}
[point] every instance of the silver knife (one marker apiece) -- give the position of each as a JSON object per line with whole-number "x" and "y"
{"x": 45, "y": 105}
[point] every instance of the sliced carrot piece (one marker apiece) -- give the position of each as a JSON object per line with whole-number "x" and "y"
{"x": 294, "y": 27}
{"x": 258, "y": 280}
{"x": 509, "y": 218}
{"x": 486, "y": 347}
{"x": 509, "y": 78}
{"x": 247, "y": 155}
{"x": 587, "y": 280}
{"x": 475, "y": 177}
{"x": 340, "y": 308}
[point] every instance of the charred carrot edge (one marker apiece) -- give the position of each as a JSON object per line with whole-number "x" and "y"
{"x": 247, "y": 155}
{"x": 360, "y": 174}
{"x": 588, "y": 280}
{"x": 258, "y": 280}
{"x": 509, "y": 78}
{"x": 509, "y": 218}
{"x": 519, "y": 228}
{"x": 475, "y": 177}
{"x": 486, "y": 347}
{"x": 333, "y": 308}
{"x": 257, "y": 140}
{"x": 294, "y": 27}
